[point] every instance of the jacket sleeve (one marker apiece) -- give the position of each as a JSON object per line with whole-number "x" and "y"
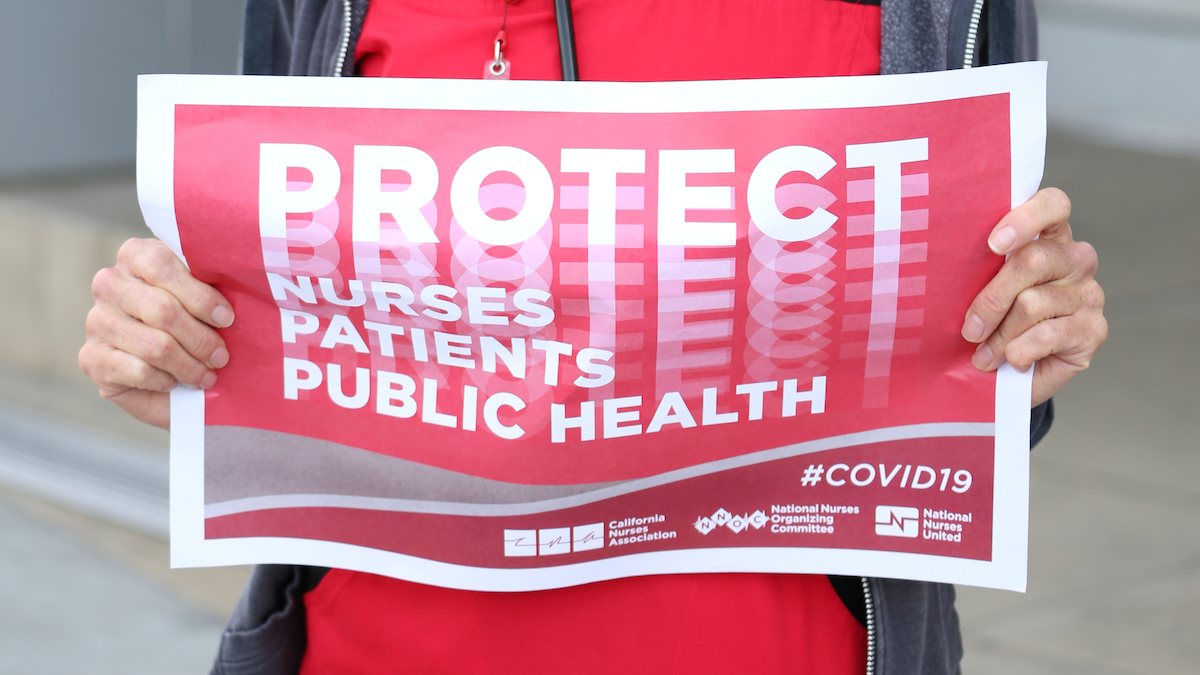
{"x": 299, "y": 37}
{"x": 266, "y": 635}
{"x": 1012, "y": 31}
{"x": 921, "y": 36}
{"x": 917, "y": 629}
{"x": 1040, "y": 420}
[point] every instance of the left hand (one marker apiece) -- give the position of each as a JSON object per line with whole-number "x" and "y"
{"x": 1044, "y": 306}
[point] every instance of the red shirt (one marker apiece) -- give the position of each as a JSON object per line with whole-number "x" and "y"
{"x": 759, "y": 624}
{"x": 715, "y": 623}
{"x": 623, "y": 40}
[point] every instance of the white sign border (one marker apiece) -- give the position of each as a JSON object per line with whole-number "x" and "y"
{"x": 1024, "y": 82}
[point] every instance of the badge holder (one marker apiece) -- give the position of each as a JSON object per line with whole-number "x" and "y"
{"x": 499, "y": 68}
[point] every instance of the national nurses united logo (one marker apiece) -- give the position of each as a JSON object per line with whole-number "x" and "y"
{"x": 721, "y": 517}
{"x": 897, "y": 521}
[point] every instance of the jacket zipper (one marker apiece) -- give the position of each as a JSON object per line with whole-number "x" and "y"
{"x": 344, "y": 44}
{"x": 869, "y": 604}
{"x": 973, "y": 34}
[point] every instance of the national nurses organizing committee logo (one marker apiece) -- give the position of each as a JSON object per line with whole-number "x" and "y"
{"x": 897, "y": 521}
{"x": 706, "y": 524}
{"x": 553, "y": 540}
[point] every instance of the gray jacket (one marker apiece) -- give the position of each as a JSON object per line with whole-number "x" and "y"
{"x": 912, "y": 626}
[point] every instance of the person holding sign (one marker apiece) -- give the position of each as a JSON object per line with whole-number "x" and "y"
{"x": 154, "y": 324}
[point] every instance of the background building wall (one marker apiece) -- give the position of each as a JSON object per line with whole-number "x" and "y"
{"x": 69, "y": 83}
{"x": 1123, "y": 72}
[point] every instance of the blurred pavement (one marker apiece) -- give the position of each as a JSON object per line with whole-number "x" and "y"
{"x": 82, "y": 594}
{"x": 69, "y": 609}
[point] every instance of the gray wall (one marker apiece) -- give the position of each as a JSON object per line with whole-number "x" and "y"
{"x": 68, "y": 72}
{"x": 1124, "y": 72}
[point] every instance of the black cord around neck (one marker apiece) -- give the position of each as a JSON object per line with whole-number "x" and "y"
{"x": 566, "y": 40}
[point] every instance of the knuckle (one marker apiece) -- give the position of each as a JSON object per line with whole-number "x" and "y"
{"x": 1019, "y": 351}
{"x": 87, "y": 358}
{"x": 195, "y": 374}
{"x": 151, "y": 260}
{"x": 1089, "y": 260}
{"x": 1033, "y": 258}
{"x": 94, "y": 320}
{"x": 129, "y": 251}
{"x": 159, "y": 346}
{"x": 1058, "y": 200}
{"x": 1099, "y": 330}
{"x": 101, "y": 327}
{"x": 103, "y": 283}
{"x": 1016, "y": 356}
{"x": 160, "y": 263}
{"x": 1046, "y": 335}
{"x": 206, "y": 342}
{"x": 140, "y": 373}
{"x": 1001, "y": 338}
{"x": 190, "y": 371}
{"x": 1029, "y": 303}
{"x": 159, "y": 312}
{"x": 992, "y": 303}
{"x": 998, "y": 340}
{"x": 1093, "y": 295}
{"x": 1056, "y": 332}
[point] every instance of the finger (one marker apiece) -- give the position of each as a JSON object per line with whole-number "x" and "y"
{"x": 151, "y": 407}
{"x": 159, "y": 309}
{"x": 1031, "y": 307}
{"x": 1046, "y": 214}
{"x": 1050, "y": 375}
{"x": 1037, "y": 263}
{"x": 155, "y": 347}
{"x": 1055, "y": 370}
{"x": 115, "y": 371}
{"x": 1073, "y": 339}
{"x": 152, "y": 261}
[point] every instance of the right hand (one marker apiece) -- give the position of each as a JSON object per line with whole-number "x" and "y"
{"x": 153, "y": 327}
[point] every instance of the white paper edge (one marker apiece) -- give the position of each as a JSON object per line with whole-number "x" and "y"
{"x": 156, "y": 161}
{"x": 187, "y": 476}
{"x": 1014, "y": 389}
{"x": 1025, "y": 82}
{"x": 815, "y": 93}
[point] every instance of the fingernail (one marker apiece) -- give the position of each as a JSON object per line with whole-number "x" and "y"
{"x": 1002, "y": 240}
{"x": 219, "y": 357}
{"x": 209, "y": 381}
{"x": 983, "y": 357}
{"x": 972, "y": 329}
{"x": 222, "y": 316}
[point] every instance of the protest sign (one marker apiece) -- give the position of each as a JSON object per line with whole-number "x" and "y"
{"x": 526, "y": 335}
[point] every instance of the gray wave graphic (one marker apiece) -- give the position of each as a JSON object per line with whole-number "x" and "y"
{"x": 241, "y": 462}
{"x": 595, "y": 492}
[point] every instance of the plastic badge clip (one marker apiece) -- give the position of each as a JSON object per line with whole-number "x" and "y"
{"x": 498, "y": 68}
